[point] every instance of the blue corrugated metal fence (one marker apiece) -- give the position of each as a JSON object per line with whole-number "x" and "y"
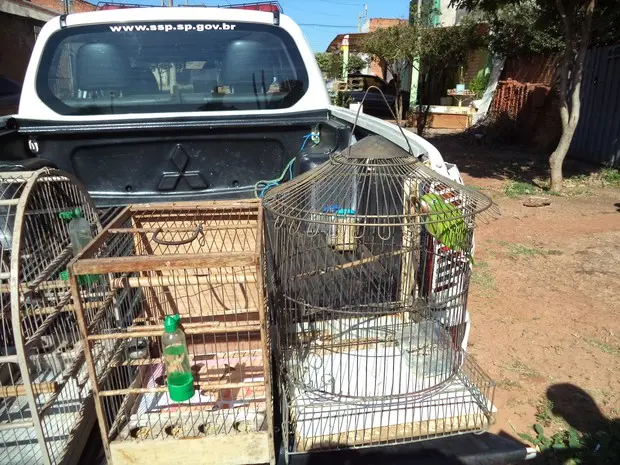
{"x": 597, "y": 138}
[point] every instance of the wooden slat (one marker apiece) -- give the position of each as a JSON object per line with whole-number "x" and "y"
{"x": 20, "y": 389}
{"x": 198, "y": 206}
{"x": 383, "y": 434}
{"x": 206, "y": 386}
{"x": 203, "y": 329}
{"x": 163, "y": 262}
{"x": 207, "y": 227}
{"x": 228, "y": 449}
{"x": 183, "y": 280}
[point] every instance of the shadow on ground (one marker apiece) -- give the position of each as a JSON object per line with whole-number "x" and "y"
{"x": 501, "y": 162}
{"x": 600, "y": 436}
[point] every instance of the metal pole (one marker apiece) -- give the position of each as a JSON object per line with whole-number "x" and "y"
{"x": 415, "y": 68}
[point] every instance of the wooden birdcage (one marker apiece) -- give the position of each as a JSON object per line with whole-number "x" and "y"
{"x": 202, "y": 262}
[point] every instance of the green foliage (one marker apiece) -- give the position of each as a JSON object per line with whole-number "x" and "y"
{"x": 437, "y": 48}
{"x": 611, "y": 176}
{"x": 523, "y": 27}
{"x": 447, "y": 47}
{"x": 324, "y": 60}
{"x": 516, "y": 188}
{"x": 479, "y": 83}
{"x": 341, "y": 99}
{"x": 567, "y": 446}
{"x": 397, "y": 46}
{"x": 356, "y": 63}
{"x": 330, "y": 64}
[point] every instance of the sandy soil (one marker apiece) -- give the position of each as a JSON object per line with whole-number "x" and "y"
{"x": 545, "y": 299}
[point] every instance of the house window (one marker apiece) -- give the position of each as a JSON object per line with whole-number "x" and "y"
{"x": 37, "y": 29}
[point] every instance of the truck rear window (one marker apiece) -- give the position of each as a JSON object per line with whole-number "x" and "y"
{"x": 163, "y": 67}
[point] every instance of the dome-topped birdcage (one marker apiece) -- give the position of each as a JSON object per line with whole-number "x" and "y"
{"x": 369, "y": 261}
{"x": 45, "y": 393}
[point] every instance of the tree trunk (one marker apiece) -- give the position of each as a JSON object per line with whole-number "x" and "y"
{"x": 556, "y": 160}
{"x": 399, "y": 106}
{"x": 570, "y": 115}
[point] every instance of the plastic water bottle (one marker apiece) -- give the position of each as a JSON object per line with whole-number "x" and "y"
{"x": 179, "y": 379}
{"x": 79, "y": 229}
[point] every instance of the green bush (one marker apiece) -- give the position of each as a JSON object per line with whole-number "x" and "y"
{"x": 341, "y": 98}
{"x": 479, "y": 83}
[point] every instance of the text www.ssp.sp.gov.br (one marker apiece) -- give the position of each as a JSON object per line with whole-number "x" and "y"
{"x": 173, "y": 27}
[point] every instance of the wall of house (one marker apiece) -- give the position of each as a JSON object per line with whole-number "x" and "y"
{"x": 19, "y": 32}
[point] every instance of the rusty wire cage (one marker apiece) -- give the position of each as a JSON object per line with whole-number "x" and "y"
{"x": 202, "y": 262}
{"x": 46, "y": 408}
{"x": 369, "y": 261}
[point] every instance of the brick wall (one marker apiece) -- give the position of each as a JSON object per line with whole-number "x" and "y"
{"x": 75, "y": 6}
{"x": 19, "y": 32}
{"x": 381, "y": 23}
{"x": 376, "y": 66}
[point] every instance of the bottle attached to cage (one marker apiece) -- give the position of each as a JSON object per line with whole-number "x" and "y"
{"x": 179, "y": 377}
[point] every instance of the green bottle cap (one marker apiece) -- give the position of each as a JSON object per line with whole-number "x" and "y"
{"x": 180, "y": 386}
{"x": 71, "y": 214}
{"x": 171, "y": 323}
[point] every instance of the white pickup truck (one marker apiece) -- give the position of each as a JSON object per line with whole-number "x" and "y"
{"x": 192, "y": 103}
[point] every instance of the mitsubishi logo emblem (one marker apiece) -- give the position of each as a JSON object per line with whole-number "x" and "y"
{"x": 170, "y": 179}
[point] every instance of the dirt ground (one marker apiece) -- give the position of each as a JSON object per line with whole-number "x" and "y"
{"x": 545, "y": 299}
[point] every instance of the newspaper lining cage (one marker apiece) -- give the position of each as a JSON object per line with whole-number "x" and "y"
{"x": 369, "y": 260}
{"x": 46, "y": 410}
{"x": 200, "y": 261}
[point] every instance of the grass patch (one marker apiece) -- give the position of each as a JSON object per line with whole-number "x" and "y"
{"x": 508, "y": 384}
{"x": 603, "y": 347}
{"x": 519, "y": 250}
{"x": 516, "y": 188}
{"x": 517, "y": 366}
{"x": 611, "y": 176}
{"x": 483, "y": 278}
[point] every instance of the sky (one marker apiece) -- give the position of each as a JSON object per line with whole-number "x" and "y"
{"x": 320, "y": 20}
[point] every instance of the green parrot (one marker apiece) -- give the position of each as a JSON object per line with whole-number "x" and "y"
{"x": 446, "y": 222}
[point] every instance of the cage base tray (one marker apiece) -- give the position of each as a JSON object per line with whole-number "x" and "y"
{"x": 329, "y": 423}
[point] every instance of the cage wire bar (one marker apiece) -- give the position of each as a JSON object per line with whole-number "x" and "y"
{"x": 203, "y": 262}
{"x": 369, "y": 261}
{"x": 46, "y": 409}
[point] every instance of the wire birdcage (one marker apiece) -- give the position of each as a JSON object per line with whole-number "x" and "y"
{"x": 200, "y": 261}
{"x": 46, "y": 409}
{"x": 369, "y": 265}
